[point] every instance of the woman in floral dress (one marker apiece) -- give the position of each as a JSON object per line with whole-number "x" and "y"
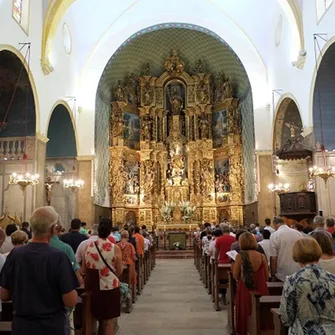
{"x": 128, "y": 254}
{"x": 308, "y": 299}
{"x": 102, "y": 265}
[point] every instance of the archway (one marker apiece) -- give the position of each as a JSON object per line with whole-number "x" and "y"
{"x": 142, "y": 58}
{"x": 17, "y": 131}
{"x": 291, "y": 160}
{"x": 61, "y": 162}
{"x": 324, "y": 123}
{"x": 324, "y": 100}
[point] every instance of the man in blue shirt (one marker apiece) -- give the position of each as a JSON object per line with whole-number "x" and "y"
{"x": 39, "y": 280}
{"x": 74, "y": 238}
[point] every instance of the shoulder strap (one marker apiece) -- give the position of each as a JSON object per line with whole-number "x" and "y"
{"x": 103, "y": 259}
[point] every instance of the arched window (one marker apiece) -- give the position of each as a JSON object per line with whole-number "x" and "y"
{"x": 321, "y": 8}
{"x": 21, "y": 13}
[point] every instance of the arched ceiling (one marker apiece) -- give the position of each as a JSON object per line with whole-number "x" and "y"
{"x": 154, "y": 45}
{"x": 101, "y": 18}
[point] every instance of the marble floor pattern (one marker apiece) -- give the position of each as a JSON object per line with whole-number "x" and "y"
{"x": 174, "y": 302}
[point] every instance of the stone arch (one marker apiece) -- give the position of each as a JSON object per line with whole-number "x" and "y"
{"x": 15, "y": 56}
{"x": 323, "y": 99}
{"x": 62, "y": 130}
{"x": 61, "y": 161}
{"x": 287, "y": 112}
{"x": 66, "y": 107}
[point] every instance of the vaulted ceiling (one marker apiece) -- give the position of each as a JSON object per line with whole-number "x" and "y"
{"x": 154, "y": 45}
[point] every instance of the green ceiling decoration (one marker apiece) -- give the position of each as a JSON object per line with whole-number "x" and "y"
{"x": 154, "y": 45}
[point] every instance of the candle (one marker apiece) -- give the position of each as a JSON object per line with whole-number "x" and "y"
{"x": 164, "y": 227}
{"x": 189, "y": 227}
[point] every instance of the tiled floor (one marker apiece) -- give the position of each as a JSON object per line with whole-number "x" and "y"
{"x": 174, "y": 302}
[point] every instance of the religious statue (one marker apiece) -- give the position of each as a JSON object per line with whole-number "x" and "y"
{"x": 117, "y": 124}
{"x": 293, "y": 128}
{"x": 131, "y": 89}
{"x": 177, "y": 164}
{"x": 202, "y": 93}
{"x": 173, "y": 64}
{"x": 147, "y": 94}
{"x": 120, "y": 92}
{"x": 227, "y": 89}
{"x": 146, "y": 129}
{"x": 199, "y": 66}
{"x": 206, "y": 178}
{"x": 204, "y": 128}
{"x": 148, "y": 180}
{"x": 176, "y": 102}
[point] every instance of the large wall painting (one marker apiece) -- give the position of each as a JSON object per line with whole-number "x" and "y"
{"x": 132, "y": 130}
{"x": 221, "y": 168}
{"x": 220, "y": 128}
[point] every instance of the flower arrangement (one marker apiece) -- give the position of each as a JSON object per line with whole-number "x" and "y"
{"x": 176, "y": 245}
{"x": 167, "y": 210}
{"x": 187, "y": 210}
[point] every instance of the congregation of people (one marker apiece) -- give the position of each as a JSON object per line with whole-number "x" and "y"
{"x": 302, "y": 256}
{"x": 42, "y": 266}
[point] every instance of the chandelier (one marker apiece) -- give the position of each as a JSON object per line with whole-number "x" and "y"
{"x": 23, "y": 180}
{"x": 323, "y": 172}
{"x": 279, "y": 188}
{"x": 73, "y": 184}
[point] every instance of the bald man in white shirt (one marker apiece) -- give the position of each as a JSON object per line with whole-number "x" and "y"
{"x": 280, "y": 251}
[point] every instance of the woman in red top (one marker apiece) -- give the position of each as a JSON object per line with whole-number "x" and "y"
{"x": 251, "y": 271}
{"x": 128, "y": 254}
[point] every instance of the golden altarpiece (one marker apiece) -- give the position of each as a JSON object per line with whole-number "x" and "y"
{"x": 173, "y": 138}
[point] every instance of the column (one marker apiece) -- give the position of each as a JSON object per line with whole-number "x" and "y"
{"x": 85, "y": 209}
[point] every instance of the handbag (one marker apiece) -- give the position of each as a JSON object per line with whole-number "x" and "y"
{"x": 103, "y": 259}
{"x": 124, "y": 288}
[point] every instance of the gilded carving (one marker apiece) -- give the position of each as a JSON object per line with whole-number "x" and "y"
{"x": 174, "y": 64}
{"x": 203, "y": 94}
{"x": 176, "y": 122}
{"x": 147, "y": 94}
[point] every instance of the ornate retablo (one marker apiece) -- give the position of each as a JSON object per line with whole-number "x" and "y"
{"x": 176, "y": 139}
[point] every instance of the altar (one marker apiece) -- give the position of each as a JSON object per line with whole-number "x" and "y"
{"x": 176, "y": 150}
{"x": 169, "y": 234}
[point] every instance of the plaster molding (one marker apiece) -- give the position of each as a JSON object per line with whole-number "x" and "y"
{"x": 42, "y": 138}
{"x": 54, "y": 14}
{"x": 263, "y": 152}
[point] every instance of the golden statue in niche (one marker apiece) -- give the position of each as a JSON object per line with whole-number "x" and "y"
{"x": 178, "y": 121}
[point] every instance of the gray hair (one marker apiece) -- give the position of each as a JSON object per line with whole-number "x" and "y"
{"x": 42, "y": 220}
{"x": 278, "y": 220}
{"x": 224, "y": 228}
{"x": 94, "y": 229}
{"x": 319, "y": 220}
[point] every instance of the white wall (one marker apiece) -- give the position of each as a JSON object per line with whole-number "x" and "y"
{"x": 78, "y": 74}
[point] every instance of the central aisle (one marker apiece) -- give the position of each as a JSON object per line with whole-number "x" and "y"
{"x": 174, "y": 301}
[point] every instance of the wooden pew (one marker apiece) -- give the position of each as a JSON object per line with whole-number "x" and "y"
{"x": 280, "y": 329}
{"x": 261, "y": 321}
{"x": 231, "y": 303}
{"x": 126, "y": 278}
{"x": 221, "y": 273}
{"x": 138, "y": 267}
{"x": 205, "y": 270}
{"x": 275, "y": 289}
{"x": 209, "y": 275}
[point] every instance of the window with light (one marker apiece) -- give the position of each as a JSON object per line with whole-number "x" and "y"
{"x": 21, "y": 13}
